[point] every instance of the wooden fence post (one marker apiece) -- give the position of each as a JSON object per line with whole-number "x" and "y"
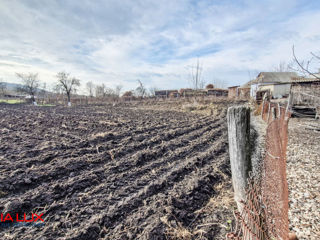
{"x": 262, "y": 108}
{"x": 289, "y": 103}
{"x": 269, "y": 111}
{"x": 239, "y": 150}
{"x": 274, "y": 113}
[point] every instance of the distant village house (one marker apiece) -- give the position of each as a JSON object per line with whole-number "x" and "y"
{"x": 276, "y": 83}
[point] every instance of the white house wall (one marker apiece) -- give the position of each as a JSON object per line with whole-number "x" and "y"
{"x": 253, "y": 90}
{"x": 277, "y": 90}
{"x": 281, "y": 90}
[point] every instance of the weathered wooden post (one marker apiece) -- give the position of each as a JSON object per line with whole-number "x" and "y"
{"x": 239, "y": 150}
{"x": 262, "y": 111}
{"x": 289, "y": 103}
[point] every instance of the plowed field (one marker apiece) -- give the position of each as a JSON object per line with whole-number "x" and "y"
{"x": 113, "y": 173}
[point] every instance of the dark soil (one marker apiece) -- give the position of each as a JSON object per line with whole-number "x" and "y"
{"x": 103, "y": 172}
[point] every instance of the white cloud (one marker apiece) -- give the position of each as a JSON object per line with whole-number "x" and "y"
{"x": 121, "y": 41}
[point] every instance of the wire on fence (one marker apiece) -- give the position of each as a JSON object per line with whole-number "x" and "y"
{"x": 265, "y": 212}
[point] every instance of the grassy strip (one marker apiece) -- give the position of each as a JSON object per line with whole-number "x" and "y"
{"x": 12, "y": 101}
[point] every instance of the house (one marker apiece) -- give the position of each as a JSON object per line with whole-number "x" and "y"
{"x": 277, "y": 83}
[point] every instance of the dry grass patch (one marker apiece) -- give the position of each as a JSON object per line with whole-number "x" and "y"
{"x": 179, "y": 232}
{"x": 100, "y": 135}
{"x": 223, "y": 200}
{"x": 257, "y": 108}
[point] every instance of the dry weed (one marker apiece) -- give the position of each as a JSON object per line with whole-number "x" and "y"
{"x": 223, "y": 200}
{"x": 178, "y": 232}
{"x": 257, "y": 108}
{"x": 99, "y": 135}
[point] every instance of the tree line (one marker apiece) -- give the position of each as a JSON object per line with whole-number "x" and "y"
{"x": 65, "y": 84}
{"x": 68, "y": 85}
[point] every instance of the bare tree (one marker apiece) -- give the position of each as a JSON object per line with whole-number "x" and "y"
{"x": 68, "y": 84}
{"x": 30, "y": 84}
{"x": 109, "y": 92}
{"x": 304, "y": 67}
{"x": 56, "y": 89}
{"x": 118, "y": 90}
{"x": 90, "y": 87}
{"x": 140, "y": 90}
{"x": 99, "y": 90}
{"x": 282, "y": 67}
{"x": 196, "y": 74}
{"x": 103, "y": 91}
{"x": 3, "y": 88}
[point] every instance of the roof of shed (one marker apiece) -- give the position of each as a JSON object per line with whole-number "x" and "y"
{"x": 303, "y": 79}
{"x": 275, "y": 77}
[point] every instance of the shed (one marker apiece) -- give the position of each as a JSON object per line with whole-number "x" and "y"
{"x": 233, "y": 92}
{"x": 244, "y": 93}
{"x": 277, "y": 83}
{"x": 305, "y": 91}
{"x": 277, "y": 90}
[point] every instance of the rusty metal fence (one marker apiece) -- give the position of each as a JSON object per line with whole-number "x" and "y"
{"x": 265, "y": 211}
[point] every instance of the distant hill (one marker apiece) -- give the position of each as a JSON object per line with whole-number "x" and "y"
{"x": 12, "y": 87}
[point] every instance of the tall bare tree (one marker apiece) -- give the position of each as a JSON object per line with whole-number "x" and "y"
{"x": 118, "y": 90}
{"x": 99, "y": 90}
{"x": 304, "y": 67}
{"x": 30, "y": 84}
{"x": 90, "y": 88}
{"x": 109, "y": 92}
{"x": 196, "y": 75}
{"x": 68, "y": 84}
{"x": 141, "y": 90}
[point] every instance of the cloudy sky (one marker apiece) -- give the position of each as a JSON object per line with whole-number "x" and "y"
{"x": 119, "y": 41}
